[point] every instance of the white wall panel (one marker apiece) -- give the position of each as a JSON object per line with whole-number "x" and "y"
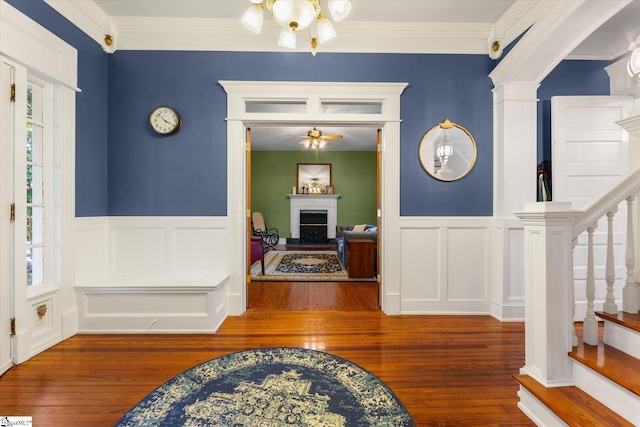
{"x": 515, "y": 287}
{"x": 420, "y": 248}
{"x": 199, "y": 252}
{"x": 138, "y": 251}
{"x": 446, "y": 265}
{"x": 92, "y": 248}
{"x": 467, "y": 264}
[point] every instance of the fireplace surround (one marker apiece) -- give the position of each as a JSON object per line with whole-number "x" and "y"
{"x": 314, "y": 203}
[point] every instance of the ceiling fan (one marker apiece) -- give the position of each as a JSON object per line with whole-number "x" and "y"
{"x": 316, "y": 140}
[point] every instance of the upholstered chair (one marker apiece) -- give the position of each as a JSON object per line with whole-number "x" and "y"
{"x": 257, "y": 251}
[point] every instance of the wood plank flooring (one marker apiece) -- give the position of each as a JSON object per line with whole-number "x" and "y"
{"x": 447, "y": 370}
{"x": 313, "y": 296}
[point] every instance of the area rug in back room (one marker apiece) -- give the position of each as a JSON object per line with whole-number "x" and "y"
{"x": 291, "y": 266}
{"x": 272, "y": 387}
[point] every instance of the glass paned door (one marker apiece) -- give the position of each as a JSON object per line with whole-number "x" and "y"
{"x": 36, "y": 197}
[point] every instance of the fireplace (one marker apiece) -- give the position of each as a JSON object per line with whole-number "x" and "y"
{"x": 313, "y": 226}
{"x": 326, "y": 203}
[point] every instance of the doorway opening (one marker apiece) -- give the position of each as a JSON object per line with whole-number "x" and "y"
{"x": 316, "y": 104}
{"x": 311, "y": 220}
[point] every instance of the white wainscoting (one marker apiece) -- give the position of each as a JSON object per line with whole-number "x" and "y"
{"x": 151, "y": 274}
{"x": 446, "y": 265}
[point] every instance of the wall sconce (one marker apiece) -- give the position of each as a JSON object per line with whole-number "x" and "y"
{"x": 633, "y": 66}
{"x": 495, "y": 48}
{"x": 108, "y": 43}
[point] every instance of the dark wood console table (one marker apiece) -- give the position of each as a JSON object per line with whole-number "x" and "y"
{"x": 361, "y": 259}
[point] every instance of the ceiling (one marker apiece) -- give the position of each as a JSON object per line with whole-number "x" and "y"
{"x": 610, "y": 41}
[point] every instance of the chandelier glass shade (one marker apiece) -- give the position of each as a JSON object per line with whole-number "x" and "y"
{"x": 633, "y": 66}
{"x": 444, "y": 150}
{"x": 314, "y": 143}
{"x": 296, "y": 15}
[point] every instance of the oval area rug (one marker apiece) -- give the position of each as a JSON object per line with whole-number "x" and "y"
{"x": 271, "y": 387}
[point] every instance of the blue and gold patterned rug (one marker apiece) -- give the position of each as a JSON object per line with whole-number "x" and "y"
{"x": 303, "y": 266}
{"x": 271, "y": 387}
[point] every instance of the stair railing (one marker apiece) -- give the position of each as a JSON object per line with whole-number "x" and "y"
{"x": 607, "y": 205}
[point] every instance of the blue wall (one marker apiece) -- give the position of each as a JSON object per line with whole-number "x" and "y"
{"x": 91, "y": 107}
{"x": 123, "y": 168}
{"x": 184, "y": 174}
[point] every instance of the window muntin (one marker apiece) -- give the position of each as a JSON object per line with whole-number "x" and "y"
{"x": 37, "y": 208}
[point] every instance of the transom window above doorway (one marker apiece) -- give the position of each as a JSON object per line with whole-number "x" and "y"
{"x": 326, "y": 107}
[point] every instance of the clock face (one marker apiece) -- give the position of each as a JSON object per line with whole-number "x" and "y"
{"x": 165, "y": 120}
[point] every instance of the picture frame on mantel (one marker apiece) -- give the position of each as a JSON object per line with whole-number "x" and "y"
{"x": 313, "y": 178}
{"x": 329, "y": 189}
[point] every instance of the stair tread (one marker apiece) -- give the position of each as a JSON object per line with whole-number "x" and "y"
{"x": 572, "y": 405}
{"x": 631, "y": 321}
{"x": 616, "y": 365}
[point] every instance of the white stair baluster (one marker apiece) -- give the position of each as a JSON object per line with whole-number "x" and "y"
{"x": 630, "y": 289}
{"x": 590, "y": 331}
{"x": 574, "y": 338}
{"x": 609, "y": 305}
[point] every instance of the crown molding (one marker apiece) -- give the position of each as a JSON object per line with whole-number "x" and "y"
{"x": 562, "y": 27}
{"x": 210, "y": 34}
{"x": 229, "y": 35}
{"x": 515, "y": 21}
{"x": 89, "y": 18}
{"x": 26, "y": 42}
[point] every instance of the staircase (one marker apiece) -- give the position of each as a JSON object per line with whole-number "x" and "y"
{"x": 607, "y": 382}
{"x": 582, "y": 372}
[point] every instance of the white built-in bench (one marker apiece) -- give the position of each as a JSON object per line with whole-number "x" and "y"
{"x": 131, "y": 304}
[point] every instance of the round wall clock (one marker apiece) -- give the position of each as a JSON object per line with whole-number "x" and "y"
{"x": 165, "y": 120}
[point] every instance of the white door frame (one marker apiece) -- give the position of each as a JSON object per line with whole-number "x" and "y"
{"x": 35, "y": 50}
{"x": 313, "y": 94}
{"x": 7, "y": 111}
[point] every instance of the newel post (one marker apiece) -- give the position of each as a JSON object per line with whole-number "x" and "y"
{"x": 548, "y": 264}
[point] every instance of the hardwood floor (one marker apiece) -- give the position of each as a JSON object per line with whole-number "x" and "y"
{"x": 447, "y": 370}
{"x": 313, "y": 296}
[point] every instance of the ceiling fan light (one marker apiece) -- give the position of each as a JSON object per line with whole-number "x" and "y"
{"x": 326, "y": 32}
{"x": 287, "y": 39}
{"x": 294, "y": 14}
{"x": 339, "y": 9}
{"x": 253, "y": 18}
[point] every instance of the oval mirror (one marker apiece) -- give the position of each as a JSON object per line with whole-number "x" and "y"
{"x": 447, "y": 151}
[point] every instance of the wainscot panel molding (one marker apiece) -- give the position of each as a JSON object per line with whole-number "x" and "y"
{"x": 151, "y": 274}
{"x": 446, "y": 265}
{"x": 508, "y": 281}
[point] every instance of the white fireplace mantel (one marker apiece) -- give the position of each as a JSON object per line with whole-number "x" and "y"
{"x": 323, "y": 202}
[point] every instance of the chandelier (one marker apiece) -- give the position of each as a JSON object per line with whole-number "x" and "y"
{"x": 296, "y": 15}
{"x": 444, "y": 148}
